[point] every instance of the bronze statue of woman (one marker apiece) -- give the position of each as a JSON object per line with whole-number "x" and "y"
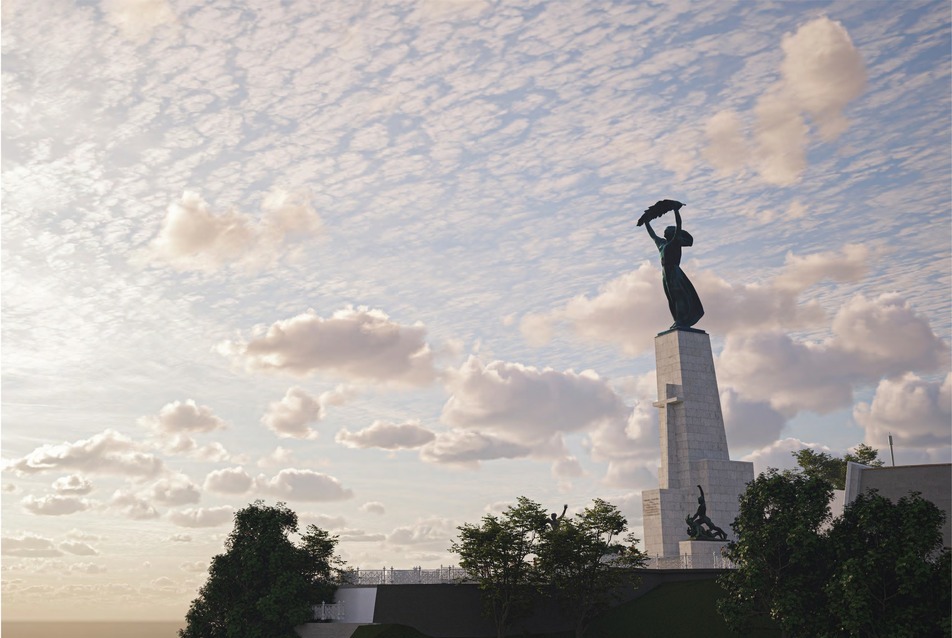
{"x": 683, "y": 302}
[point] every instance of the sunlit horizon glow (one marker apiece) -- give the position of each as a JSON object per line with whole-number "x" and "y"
{"x": 379, "y": 261}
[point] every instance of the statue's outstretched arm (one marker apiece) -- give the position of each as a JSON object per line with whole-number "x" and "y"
{"x": 651, "y": 232}
{"x": 677, "y": 221}
{"x": 565, "y": 508}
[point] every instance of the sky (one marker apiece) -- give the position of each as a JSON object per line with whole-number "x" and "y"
{"x": 379, "y": 261}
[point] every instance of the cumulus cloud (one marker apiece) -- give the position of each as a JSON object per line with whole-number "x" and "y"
{"x": 509, "y": 410}
{"x": 388, "y": 436}
{"x": 425, "y": 531}
{"x": 133, "y": 505}
{"x": 779, "y": 454}
{"x": 280, "y": 456}
{"x": 749, "y": 424}
{"x": 526, "y": 404}
{"x": 466, "y": 448}
{"x": 373, "y": 507}
{"x": 137, "y": 19}
{"x": 630, "y": 446}
{"x": 628, "y": 309}
{"x": 73, "y": 484}
{"x": 175, "y": 490}
{"x": 289, "y": 417}
{"x": 192, "y": 237}
{"x": 303, "y": 485}
{"x": 87, "y": 568}
{"x": 108, "y": 452}
{"x": 821, "y": 73}
{"x": 180, "y": 417}
{"x": 229, "y": 481}
{"x": 28, "y": 546}
{"x": 55, "y": 505}
{"x": 915, "y": 411}
{"x": 202, "y": 516}
{"x": 872, "y": 338}
{"x": 357, "y": 343}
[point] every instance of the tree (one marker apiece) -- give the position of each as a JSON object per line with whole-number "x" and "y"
{"x": 833, "y": 469}
{"x": 890, "y": 574}
{"x": 497, "y": 555}
{"x": 877, "y": 570}
{"x": 782, "y": 563}
{"x": 583, "y": 561}
{"x": 264, "y": 585}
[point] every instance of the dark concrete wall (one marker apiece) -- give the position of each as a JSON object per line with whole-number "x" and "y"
{"x": 456, "y": 611}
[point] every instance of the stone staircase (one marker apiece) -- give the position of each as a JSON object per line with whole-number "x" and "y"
{"x": 327, "y": 630}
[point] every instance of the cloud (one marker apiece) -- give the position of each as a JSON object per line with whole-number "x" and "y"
{"x": 229, "y": 481}
{"x": 426, "y": 531}
{"x": 356, "y": 343}
{"x": 289, "y": 417}
{"x": 175, "y": 490}
{"x": 87, "y": 568}
{"x": 630, "y": 446}
{"x": 197, "y": 566}
{"x": 202, "y": 516}
{"x": 872, "y": 338}
{"x": 466, "y": 448}
{"x": 280, "y": 457}
{"x": 178, "y": 417}
{"x": 137, "y": 19}
{"x": 108, "y": 452}
{"x": 29, "y": 546}
{"x": 303, "y": 485}
{"x": 915, "y": 411}
{"x": 628, "y": 310}
{"x": 192, "y": 237}
{"x": 779, "y": 454}
{"x": 749, "y": 423}
{"x": 821, "y": 73}
{"x": 525, "y": 404}
{"x": 78, "y": 548}
{"x": 55, "y": 505}
{"x": 73, "y": 484}
{"x": 388, "y": 436}
{"x": 133, "y": 505}
{"x": 727, "y": 147}
{"x": 180, "y": 538}
{"x": 373, "y": 507}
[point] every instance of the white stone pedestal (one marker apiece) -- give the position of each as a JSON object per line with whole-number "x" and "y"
{"x": 693, "y": 445}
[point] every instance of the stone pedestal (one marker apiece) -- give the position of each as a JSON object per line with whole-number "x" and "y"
{"x": 693, "y": 445}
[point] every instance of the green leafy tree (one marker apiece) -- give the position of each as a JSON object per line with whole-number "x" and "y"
{"x": 831, "y": 468}
{"x": 583, "y": 560}
{"x": 890, "y": 574}
{"x": 497, "y": 555}
{"x": 264, "y": 584}
{"x": 782, "y": 562}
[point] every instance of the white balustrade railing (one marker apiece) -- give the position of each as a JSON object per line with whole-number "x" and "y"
{"x": 415, "y": 576}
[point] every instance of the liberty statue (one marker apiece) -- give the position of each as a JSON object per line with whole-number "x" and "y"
{"x": 683, "y": 301}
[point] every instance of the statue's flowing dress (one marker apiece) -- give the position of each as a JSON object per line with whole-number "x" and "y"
{"x": 683, "y": 300}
